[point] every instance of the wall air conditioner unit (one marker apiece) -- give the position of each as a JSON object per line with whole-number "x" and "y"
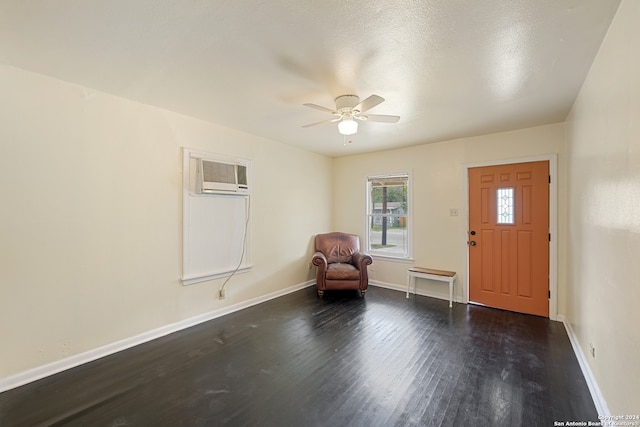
{"x": 221, "y": 177}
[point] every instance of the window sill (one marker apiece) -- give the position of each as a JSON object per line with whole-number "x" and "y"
{"x": 393, "y": 259}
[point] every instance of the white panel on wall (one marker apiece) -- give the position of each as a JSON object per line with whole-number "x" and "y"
{"x": 215, "y": 227}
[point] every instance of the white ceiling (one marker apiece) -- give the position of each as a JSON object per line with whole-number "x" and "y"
{"x": 449, "y": 68}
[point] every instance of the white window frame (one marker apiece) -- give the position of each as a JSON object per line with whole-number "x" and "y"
{"x": 408, "y": 256}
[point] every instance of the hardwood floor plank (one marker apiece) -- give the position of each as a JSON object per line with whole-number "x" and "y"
{"x": 342, "y": 360}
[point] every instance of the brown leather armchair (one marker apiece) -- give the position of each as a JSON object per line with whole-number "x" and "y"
{"x": 340, "y": 264}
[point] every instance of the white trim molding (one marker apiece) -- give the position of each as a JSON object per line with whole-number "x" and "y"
{"x": 49, "y": 369}
{"x": 596, "y": 395}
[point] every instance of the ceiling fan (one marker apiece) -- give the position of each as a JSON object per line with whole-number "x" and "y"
{"x": 349, "y": 109}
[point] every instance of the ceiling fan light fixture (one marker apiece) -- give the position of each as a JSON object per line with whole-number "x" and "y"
{"x": 348, "y": 126}
{"x": 349, "y": 108}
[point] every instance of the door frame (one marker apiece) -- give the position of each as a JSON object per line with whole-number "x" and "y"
{"x": 553, "y": 221}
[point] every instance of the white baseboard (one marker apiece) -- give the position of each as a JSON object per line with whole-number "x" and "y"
{"x": 596, "y": 395}
{"x": 43, "y": 371}
{"x": 403, "y": 288}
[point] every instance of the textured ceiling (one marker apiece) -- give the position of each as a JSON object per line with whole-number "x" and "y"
{"x": 449, "y": 68}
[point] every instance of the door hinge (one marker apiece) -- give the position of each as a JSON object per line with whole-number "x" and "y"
{"x": 549, "y": 294}
{"x": 549, "y": 236}
{"x": 549, "y": 179}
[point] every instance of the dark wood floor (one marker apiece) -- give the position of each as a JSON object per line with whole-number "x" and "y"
{"x": 340, "y": 361}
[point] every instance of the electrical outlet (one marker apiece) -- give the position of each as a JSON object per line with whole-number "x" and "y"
{"x": 310, "y": 266}
{"x": 221, "y": 294}
{"x": 453, "y": 212}
{"x": 592, "y": 349}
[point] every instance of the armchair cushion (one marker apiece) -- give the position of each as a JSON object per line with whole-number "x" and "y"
{"x": 340, "y": 271}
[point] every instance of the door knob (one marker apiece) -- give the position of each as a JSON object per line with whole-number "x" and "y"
{"x": 472, "y": 243}
{"x": 473, "y": 232}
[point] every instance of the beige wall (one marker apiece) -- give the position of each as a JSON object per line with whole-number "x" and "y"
{"x": 603, "y": 143}
{"x": 438, "y": 185}
{"x": 90, "y": 220}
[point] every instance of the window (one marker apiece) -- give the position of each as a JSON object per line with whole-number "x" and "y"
{"x": 504, "y": 200}
{"x": 388, "y": 215}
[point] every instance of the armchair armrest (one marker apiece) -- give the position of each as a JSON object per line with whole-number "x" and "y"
{"x": 319, "y": 260}
{"x": 361, "y": 260}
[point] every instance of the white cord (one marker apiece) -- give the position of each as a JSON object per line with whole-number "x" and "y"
{"x": 244, "y": 246}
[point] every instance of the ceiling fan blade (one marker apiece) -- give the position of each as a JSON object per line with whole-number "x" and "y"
{"x": 321, "y": 122}
{"x": 369, "y": 103}
{"x": 382, "y": 118}
{"x": 321, "y": 108}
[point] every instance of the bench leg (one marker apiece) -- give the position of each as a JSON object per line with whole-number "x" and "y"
{"x": 450, "y": 293}
{"x": 408, "y": 284}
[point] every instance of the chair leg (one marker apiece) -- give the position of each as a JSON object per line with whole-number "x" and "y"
{"x": 362, "y": 292}
{"x": 320, "y": 293}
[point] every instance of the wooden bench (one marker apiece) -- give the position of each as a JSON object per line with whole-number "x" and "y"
{"x": 428, "y": 273}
